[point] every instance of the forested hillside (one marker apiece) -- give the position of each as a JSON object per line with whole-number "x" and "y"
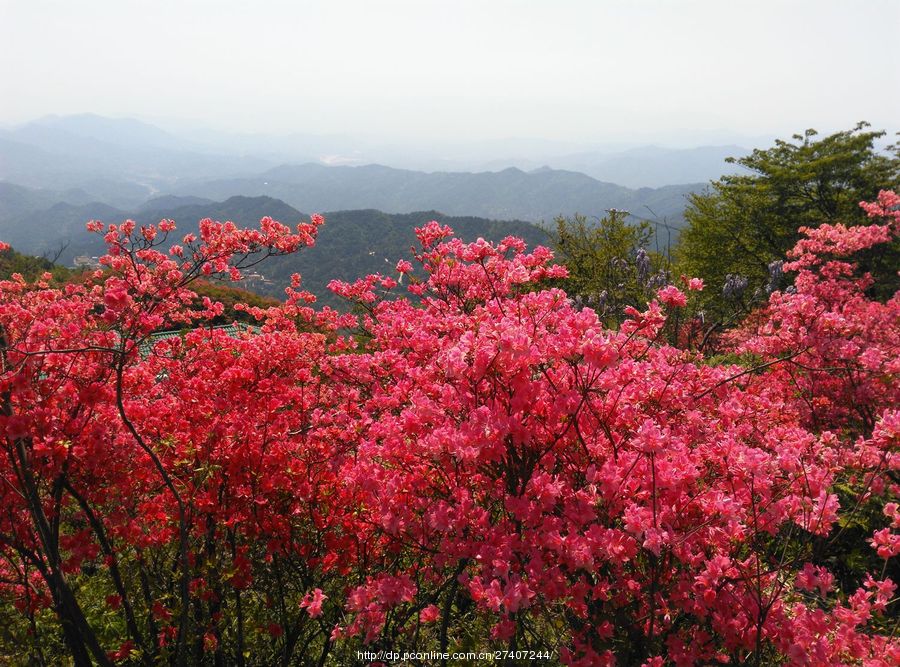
{"x": 353, "y": 243}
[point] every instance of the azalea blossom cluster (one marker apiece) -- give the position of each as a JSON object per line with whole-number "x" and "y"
{"x": 480, "y": 462}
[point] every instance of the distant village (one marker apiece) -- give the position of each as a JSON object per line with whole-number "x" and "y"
{"x": 85, "y": 262}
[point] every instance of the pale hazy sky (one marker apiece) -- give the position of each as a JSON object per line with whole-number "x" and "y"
{"x": 560, "y": 69}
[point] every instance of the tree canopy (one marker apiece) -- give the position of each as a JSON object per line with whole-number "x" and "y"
{"x": 608, "y": 262}
{"x": 746, "y": 222}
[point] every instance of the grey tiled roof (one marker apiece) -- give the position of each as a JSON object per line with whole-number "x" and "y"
{"x": 234, "y": 330}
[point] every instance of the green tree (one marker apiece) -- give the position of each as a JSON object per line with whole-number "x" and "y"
{"x": 744, "y": 223}
{"x": 29, "y": 267}
{"x": 609, "y": 265}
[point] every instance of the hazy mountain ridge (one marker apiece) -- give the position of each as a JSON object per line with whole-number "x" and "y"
{"x": 509, "y": 194}
{"x": 656, "y": 166}
{"x": 78, "y": 168}
{"x": 58, "y": 151}
{"x": 62, "y": 225}
{"x": 17, "y": 200}
{"x": 122, "y": 132}
{"x": 73, "y": 151}
{"x": 165, "y": 202}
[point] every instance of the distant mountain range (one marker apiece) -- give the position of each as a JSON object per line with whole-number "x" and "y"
{"x": 58, "y": 172}
{"x": 123, "y": 162}
{"x": 539, "y": 195}
{"x": 119, "y": 161}
{"x": 654, "y": 166}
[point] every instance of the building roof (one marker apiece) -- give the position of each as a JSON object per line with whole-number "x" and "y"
{"x": 233, "y": 330}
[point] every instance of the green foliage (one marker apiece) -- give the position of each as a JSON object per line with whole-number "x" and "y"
{"x": 744, "y": 222}
{"x": 848, "y": 552}
{"x": 609, "y": 266}
{"x": 29, "y": 267}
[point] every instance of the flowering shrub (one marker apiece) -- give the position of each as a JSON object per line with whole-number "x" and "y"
{"x": 843, "y": 345}
{"x": 481, "y": 465}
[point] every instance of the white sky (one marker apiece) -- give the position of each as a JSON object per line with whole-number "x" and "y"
{"x": 559, "y": 69}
